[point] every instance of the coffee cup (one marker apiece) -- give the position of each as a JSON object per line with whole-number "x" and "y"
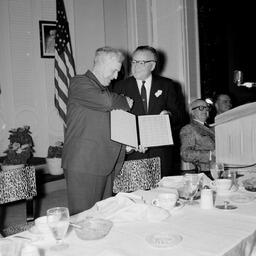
{"x": 166, "y": 201}
{"x": 222, "y": 186}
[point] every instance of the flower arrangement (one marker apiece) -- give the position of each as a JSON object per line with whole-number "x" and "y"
{"x": 20, "y": 148}
{"x": 56, "y": 150}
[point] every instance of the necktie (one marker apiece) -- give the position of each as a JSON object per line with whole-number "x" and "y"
{"x": 143, "y": 94}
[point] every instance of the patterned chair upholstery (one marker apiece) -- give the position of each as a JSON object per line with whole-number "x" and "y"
{"x": 138, "y": 174}
{"x": 18, "y": 184}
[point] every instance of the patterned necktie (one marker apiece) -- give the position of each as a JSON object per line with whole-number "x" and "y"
{"x": 143, "y": 94}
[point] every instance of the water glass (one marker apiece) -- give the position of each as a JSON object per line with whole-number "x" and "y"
{"x": 192, "y": 182}
{"x": 216, "y": 169}
{"x": 58, "y": 222}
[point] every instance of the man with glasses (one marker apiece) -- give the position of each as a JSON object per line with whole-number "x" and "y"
{"x": 197, "y": 139}
{"x": 152, "y": 95}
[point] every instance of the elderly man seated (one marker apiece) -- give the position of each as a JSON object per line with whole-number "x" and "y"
{"x": 197, "y": 139}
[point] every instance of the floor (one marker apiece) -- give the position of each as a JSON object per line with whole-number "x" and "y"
{"x": 15, "y": 213}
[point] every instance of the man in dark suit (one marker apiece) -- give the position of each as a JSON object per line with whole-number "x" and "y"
{"x": 152, "y": 95}
{"x": 90, "y": 159}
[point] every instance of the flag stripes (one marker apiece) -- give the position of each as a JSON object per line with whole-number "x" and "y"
{"x": 64, "y": 66}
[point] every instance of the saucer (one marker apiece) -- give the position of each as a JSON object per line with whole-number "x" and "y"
{"x": 242, "y": 198}
{"x": 163, "y": 239}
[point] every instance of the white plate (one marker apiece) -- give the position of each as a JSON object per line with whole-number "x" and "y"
{"x": 242, "y": 198}
{"x": 163, "y": 239}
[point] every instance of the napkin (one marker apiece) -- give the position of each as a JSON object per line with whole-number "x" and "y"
{"x": 125, "y": 207}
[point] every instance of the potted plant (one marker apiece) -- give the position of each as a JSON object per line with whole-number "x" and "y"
{"x": 53, "y": 159}
{"x": 20, "y": 148}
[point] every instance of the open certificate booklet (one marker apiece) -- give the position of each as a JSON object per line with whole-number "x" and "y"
{"x": 147, "y": 131}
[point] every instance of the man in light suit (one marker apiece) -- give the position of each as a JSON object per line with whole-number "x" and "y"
{"x": 197, "y": 139}
{"x": 161, "y": 98}
{"x": 90, "y": 159}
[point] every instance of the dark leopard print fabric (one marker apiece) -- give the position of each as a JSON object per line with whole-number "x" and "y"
{"x": 17, "y": 184}
{"x": 138, "y": 174}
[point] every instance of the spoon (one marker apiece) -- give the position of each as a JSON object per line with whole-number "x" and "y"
{"x": 75, "y": 225}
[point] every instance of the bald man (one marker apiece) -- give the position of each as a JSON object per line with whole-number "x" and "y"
{"x": 198, "y": 140}
{"x": 90, "y": 158}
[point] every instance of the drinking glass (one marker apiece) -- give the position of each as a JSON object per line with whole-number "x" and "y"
{"x": 230, "y": 174}
{"x": 58, "y": 222}
{"x": 191, "y": 186}
{"x": 216, "y": 169}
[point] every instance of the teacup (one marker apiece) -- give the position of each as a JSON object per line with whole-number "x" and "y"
{"x": 166, "y": 201}
{"x": 42, "y": 225}
{"x": 222, "y": 185}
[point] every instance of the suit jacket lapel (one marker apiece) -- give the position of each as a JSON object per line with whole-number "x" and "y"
{"x": 152, "y": 97}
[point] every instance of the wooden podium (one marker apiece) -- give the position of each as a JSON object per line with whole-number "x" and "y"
{"x": 235, "y": 136}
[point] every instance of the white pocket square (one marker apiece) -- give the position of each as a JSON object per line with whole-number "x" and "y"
{"x": 158, "y": 93}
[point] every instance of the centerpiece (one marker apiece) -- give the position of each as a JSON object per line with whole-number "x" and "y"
{"x": 53, "y": 159}
{"x": 20, "y": 148}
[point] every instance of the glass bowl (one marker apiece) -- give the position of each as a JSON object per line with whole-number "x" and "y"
{"x": 92, "y": 229}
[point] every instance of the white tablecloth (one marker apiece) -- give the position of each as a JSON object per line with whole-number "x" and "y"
{"x": 212, "y": 232}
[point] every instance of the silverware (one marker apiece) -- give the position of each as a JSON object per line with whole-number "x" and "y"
{"x": 22, "y": 237}
{"x": 75, "y": 225}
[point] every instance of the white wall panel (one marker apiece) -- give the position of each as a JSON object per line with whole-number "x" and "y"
{"x": 89, "y": 32}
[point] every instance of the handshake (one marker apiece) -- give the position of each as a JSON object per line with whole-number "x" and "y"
{"x": 140, "y": 149}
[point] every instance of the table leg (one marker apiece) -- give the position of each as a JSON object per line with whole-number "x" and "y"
{"x": 30, "y": 209}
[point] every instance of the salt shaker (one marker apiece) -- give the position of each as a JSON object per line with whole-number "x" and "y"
{"x": 30, "y": 250}
{"x": 206, "y": 201}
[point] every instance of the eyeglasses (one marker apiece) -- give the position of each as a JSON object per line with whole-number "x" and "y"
{"x": 141, "y": 62}
{"x": 201, "y": 108}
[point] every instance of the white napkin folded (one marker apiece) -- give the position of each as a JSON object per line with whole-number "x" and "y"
{"x": 126, "y": 207}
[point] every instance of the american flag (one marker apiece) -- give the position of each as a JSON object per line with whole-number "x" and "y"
{"x": 64, "y": 65}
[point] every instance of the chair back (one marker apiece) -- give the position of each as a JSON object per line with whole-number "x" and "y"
{"x": 138, "y": 174}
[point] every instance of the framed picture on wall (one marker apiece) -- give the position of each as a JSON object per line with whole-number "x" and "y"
{"x": 47, "y": 38}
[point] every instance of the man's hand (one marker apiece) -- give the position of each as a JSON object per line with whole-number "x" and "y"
{"x": 165, "y": 112}
{"x": 141, "y": 149}
{"x": 129, "y": 101}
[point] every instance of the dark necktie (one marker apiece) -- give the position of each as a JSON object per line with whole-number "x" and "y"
{"x": 143, "y": 94}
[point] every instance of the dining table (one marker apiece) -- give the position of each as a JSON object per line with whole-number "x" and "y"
{"x": 138, "y": 226}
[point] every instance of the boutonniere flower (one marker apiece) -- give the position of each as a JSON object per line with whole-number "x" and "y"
{"x": 158, "y": 93}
